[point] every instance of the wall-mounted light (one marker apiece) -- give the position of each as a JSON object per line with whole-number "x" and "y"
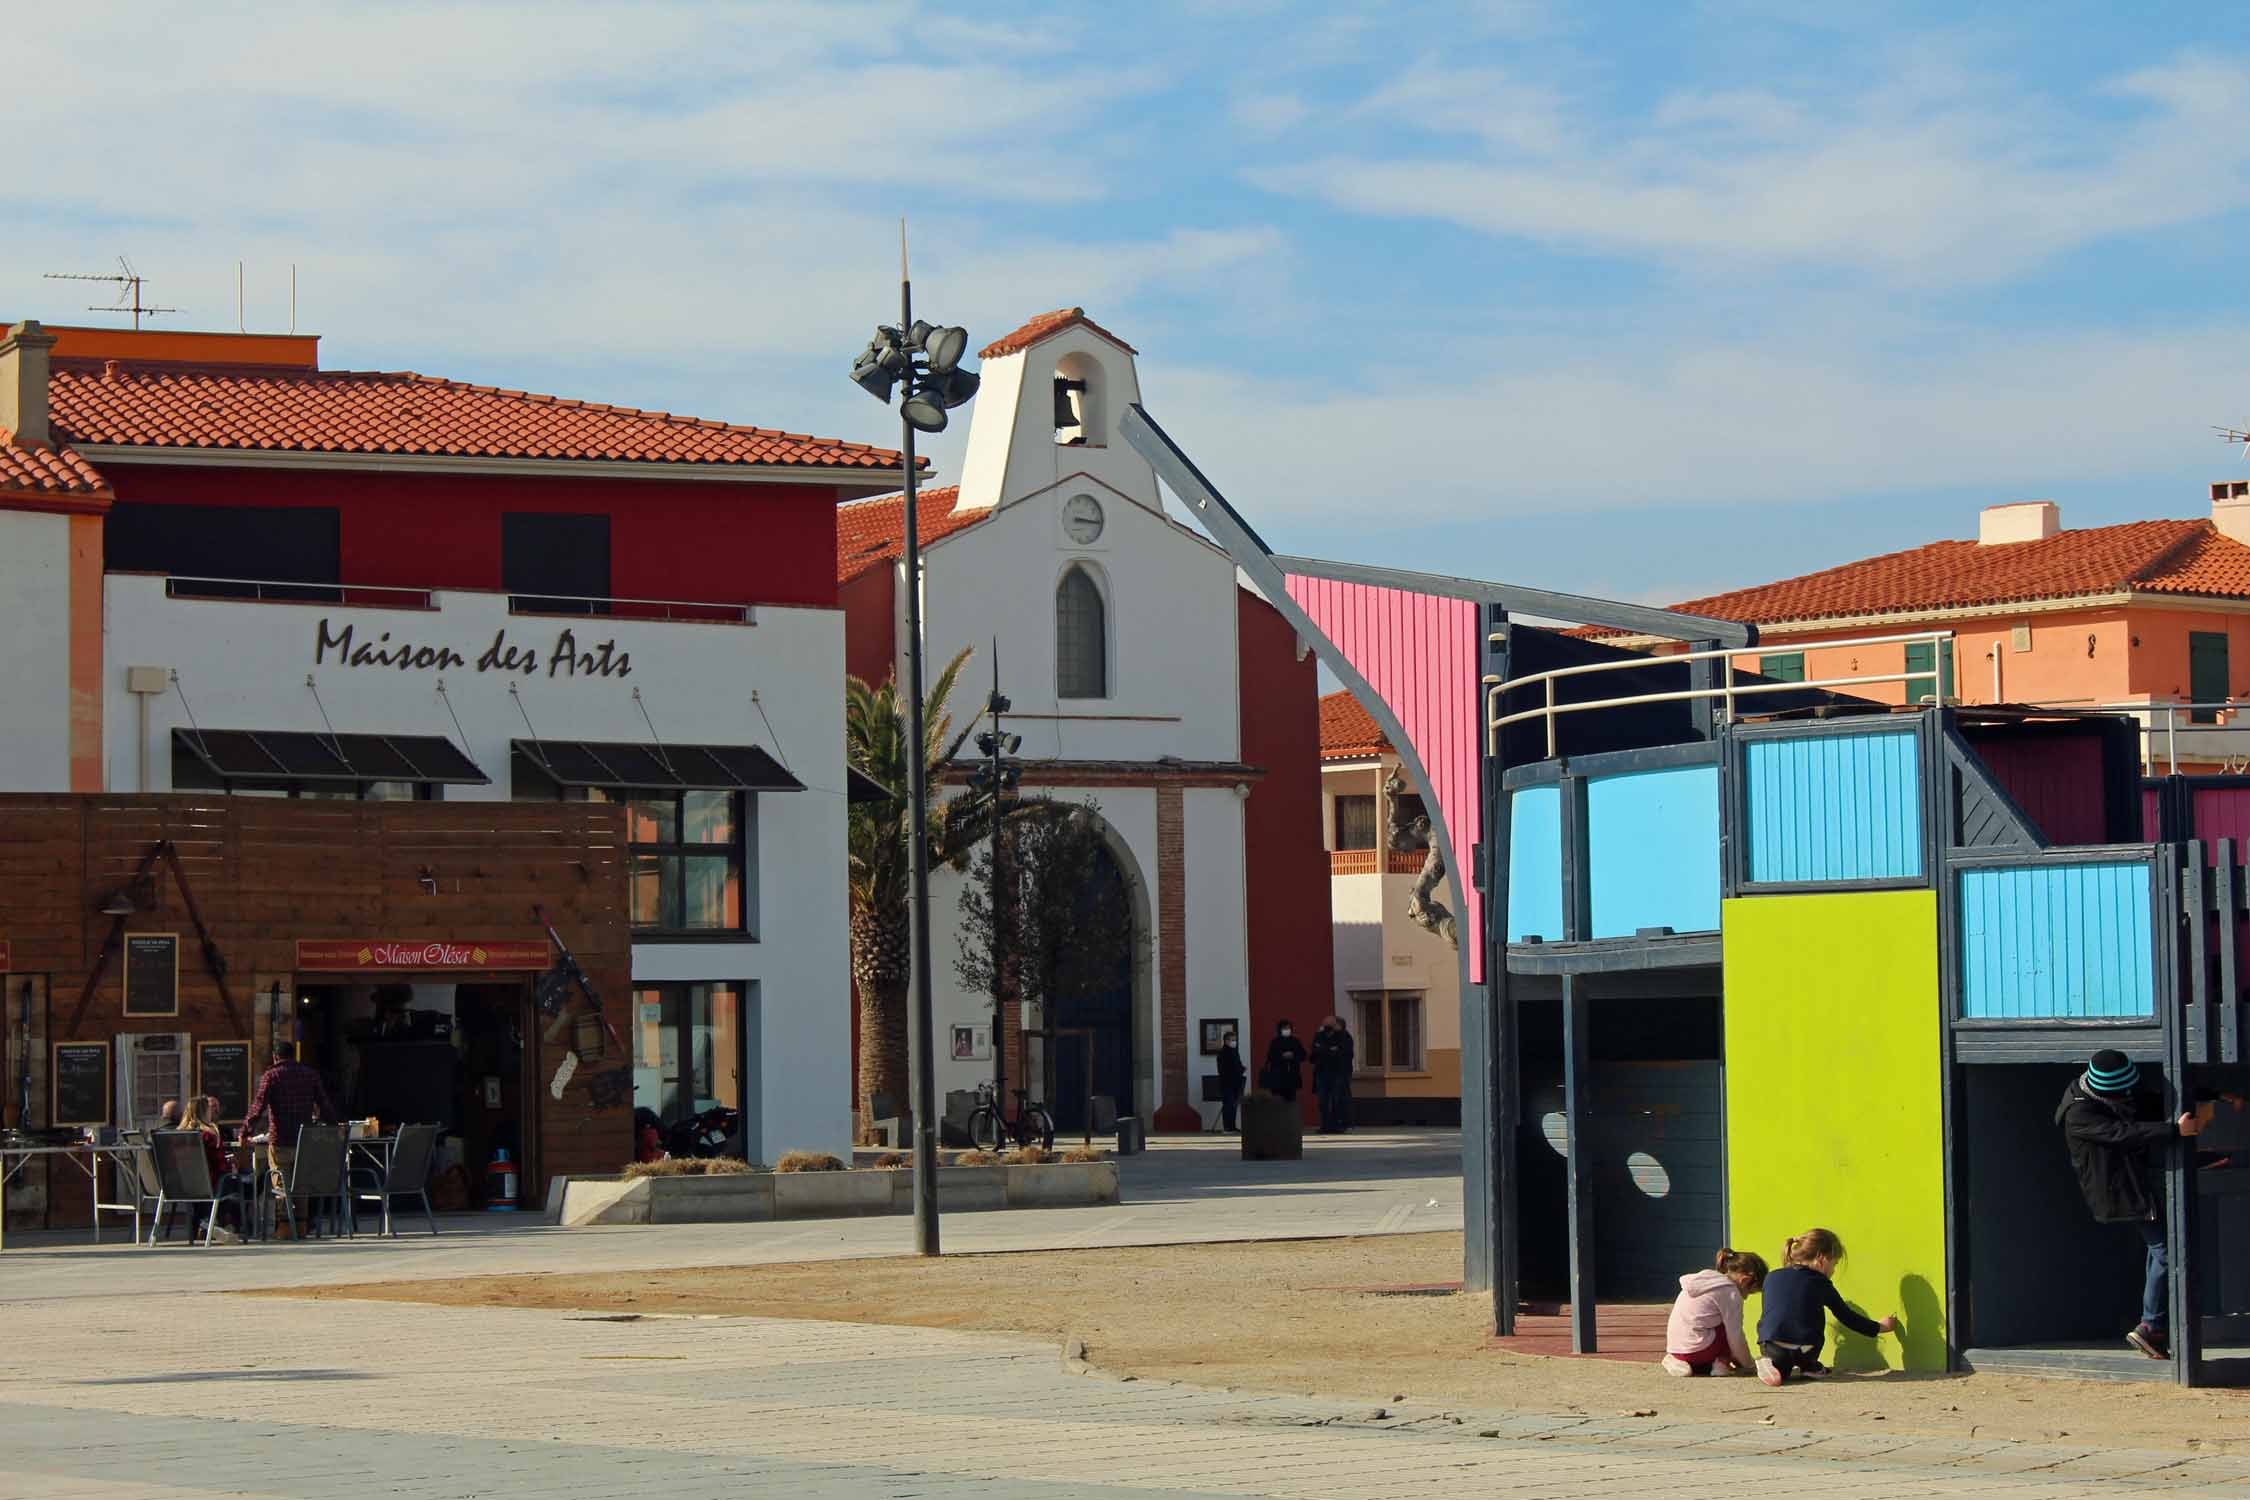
{"x": 119, "y": 904}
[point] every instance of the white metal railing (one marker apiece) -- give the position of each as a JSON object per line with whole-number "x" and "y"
{"x": 2223, "y": 714}
{"x": 386, "y": 596}
{"x": 1726, "y": 690}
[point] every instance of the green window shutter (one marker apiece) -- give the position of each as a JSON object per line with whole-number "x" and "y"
{"x": 2208, "y": 677}
{"x": 1920, "y": 656}
{"x": 1787, "y": 666}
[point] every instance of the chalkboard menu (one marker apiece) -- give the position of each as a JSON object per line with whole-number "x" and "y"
{"x": 81, "y": 1083}
{"x": 222, "y": 1070}
{"x": 152, "y": 973}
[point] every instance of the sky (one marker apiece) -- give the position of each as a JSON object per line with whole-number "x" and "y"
{"x": 1648, "y": 301}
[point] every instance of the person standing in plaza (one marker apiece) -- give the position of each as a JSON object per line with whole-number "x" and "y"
{"x": 1232, "y": 1074}
{"x": 1285, "y": 1063}
{"x": 288, "y": 1097}
{"x": 1333, "y": 1053}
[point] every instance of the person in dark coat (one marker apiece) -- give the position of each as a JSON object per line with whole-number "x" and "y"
{"x": 1333, "y": 1052}
{"x": 1285, "y": 1062}
{"x": 2109, "y": 1144}
{"x": 1232, "y": 1075}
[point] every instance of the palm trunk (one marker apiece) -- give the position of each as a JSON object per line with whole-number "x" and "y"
{"x": 880, "y": 971}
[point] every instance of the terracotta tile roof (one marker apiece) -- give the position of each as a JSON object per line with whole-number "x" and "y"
{"x": 339, "y": 411}
{"x": 43, "y": 470}
{"x": 2163, "y": 557}
{"x": 1045, "y": 324}
{"x": 1348, "y": 731}
{"x": 870, "y": 533}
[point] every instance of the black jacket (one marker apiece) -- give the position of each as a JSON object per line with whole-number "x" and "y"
{"x": 1332, "y": 1053}
{"x": 1285, "y": 1062}
{"x": 1796, "y": 1302}
{"x": 1231, "y": 1070}
{"x": 2109, "y": 1147}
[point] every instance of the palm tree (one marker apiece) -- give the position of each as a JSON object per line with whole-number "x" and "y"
{"x": 881, "y": 870}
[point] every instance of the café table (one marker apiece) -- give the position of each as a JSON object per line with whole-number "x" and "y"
{"x": 378, "y": 1149}
{"x": 87, "y": 1156}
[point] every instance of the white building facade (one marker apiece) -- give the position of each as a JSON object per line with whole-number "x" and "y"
{"x": 1138, "y": 672}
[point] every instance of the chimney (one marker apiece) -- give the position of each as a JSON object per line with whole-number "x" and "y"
{"x": 2025, "y": 521}
{"x": 2230, "y": 509}
{"x": 23, "y": 382}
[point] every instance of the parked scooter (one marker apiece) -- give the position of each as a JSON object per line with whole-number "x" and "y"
{"x": 707, "y": 1133}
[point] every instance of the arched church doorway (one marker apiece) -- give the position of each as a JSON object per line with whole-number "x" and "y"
{"x": 1094, "y": 1025}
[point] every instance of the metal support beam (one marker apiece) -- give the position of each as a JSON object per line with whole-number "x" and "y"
{"x": 1489, "y": 1099}
{"x": 1579, "y": 1161}
{"x": 1703, "y": 675}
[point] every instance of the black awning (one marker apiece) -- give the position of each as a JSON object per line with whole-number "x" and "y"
{"x": 860, "y": 787}
{"x": 300, "y": 755}
{"x": 688, "y": 768}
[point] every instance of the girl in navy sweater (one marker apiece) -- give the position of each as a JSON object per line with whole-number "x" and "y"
{"x": 1798, "y": 1298}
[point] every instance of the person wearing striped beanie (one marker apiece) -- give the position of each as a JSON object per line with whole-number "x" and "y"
{"x": 2110, "y": 1141}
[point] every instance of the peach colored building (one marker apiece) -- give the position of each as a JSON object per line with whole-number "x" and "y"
{"x": 1397, "y": 984}
{"x": 2153, "y": 614}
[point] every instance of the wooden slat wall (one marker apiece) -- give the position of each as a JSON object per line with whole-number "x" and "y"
{"x": 2056, "y": 941}
{"x": 267, "y": 872}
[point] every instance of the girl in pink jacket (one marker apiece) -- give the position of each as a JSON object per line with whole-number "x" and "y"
{"x": 1706, "y": 1324}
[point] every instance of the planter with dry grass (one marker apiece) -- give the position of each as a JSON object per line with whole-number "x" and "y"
{"x": 814, "y": 1185}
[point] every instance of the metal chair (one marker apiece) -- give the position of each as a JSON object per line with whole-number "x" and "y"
{"x": 136, "y": 1177}
{"x": 408, "y": 1176}
{"x": 318, "y": 1176}
{"x": 183, "y": 1178}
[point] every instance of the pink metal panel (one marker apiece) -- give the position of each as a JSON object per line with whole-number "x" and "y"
{"x": 2152, "y": 817}
{"x": 1420, "y": 653}
{"x": 2222, "y": 812}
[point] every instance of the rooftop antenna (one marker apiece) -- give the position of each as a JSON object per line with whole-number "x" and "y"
{"x": 2235, "y": 435}
{"x": 128, "y": 290}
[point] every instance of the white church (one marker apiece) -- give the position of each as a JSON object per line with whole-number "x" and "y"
{"x": 1144, "y": 679}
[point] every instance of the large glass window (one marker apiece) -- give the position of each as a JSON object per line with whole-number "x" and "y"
{"x": 687, "y": 1048}
{"x": 1081, "y": 637}
{"x": 686, "y": 858}
{"x": 687, "y": 870}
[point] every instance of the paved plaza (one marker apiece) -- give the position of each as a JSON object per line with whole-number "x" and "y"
{"x": 122, "y": 1375}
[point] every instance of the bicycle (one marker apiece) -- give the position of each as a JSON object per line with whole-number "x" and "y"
{"x": 1032, "y": 1124}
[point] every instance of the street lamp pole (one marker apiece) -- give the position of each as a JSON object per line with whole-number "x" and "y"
{"x": 926, "y": 360}
{"x": 921, "y": 1026}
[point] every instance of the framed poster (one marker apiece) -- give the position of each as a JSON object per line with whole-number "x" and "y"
{"x": 1215, "y": 1032}
{"x": 222, "y": 1070}
{"x": 152, "y": 973}
{"x": 79, "y": 1086}
{"x": 972, "y": 1044}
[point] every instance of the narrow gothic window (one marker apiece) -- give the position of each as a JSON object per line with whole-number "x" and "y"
{"x": 1081, "y": 638}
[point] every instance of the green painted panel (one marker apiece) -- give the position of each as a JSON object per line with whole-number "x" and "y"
{"x": 1834, "y": 1101}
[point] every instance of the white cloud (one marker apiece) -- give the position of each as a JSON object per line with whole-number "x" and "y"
{"x": 1934, "y": 176}
{"x": 1619, "y": 428}
{"x": 1268, "y": 114}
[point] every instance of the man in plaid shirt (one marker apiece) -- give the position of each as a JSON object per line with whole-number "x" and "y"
{"x": 288, "y": 1095}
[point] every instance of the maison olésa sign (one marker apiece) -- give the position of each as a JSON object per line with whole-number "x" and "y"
{"x": 360, "y": 955}
{"x": 565, "y": 657}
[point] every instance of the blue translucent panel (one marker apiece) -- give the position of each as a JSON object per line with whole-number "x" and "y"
{"x": 1652, "y": 848}
{"x": 1535, "y": 864}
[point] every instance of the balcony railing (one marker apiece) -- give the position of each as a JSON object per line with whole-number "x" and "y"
{"x": 1373, "y": 862}
{"x": 381, "y": 596}
{"x": 1726, "y": 690}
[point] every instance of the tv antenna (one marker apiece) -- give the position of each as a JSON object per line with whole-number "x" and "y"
{"x": 128, "y": 283}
